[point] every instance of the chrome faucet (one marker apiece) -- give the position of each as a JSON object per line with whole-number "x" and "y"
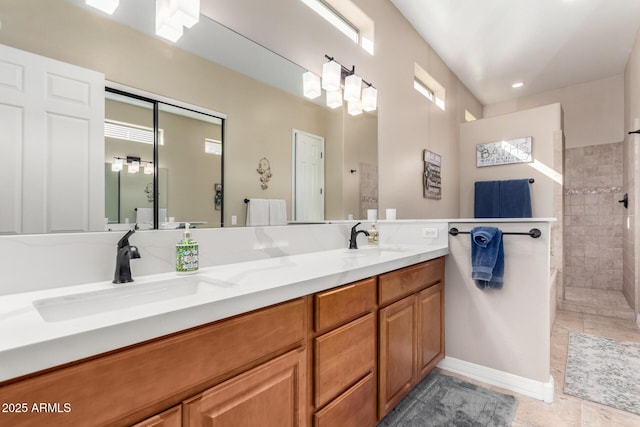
{"x": 353, "y": 244}
{"x": 125, "y": 253}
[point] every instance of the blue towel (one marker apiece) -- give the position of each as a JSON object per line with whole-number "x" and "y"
{"x": 487, "y": 199}
{"x": 515, "y": 199}
{"x": 487, "y": 257}
{"x": 502, "y": 199}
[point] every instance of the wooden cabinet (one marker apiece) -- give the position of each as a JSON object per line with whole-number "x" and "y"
{"x": 169, "y": 418}
{"x": 344, "y": 358}
{"x": 411, "y": 329}
{"x": 271, "y": 395}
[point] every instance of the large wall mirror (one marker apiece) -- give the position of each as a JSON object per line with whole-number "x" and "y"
{"x": 211, "y": 69}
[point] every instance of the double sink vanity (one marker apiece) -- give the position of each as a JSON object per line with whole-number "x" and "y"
{"x": 335, "y": 337}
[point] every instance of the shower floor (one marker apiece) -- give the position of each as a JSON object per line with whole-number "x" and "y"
{"x": 597, "y": 301}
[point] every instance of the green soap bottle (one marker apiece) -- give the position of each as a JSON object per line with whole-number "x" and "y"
{"x": 187, "y": 253}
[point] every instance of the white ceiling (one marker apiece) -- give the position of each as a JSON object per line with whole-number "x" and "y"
{"x": 548, "y": 44}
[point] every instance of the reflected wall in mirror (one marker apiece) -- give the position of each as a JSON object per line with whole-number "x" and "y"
{"x": 216, "y": 69}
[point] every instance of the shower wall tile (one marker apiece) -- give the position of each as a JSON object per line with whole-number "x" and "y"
{"x": 593, "y": 229}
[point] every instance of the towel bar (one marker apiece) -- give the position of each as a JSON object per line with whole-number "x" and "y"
{"x": 534, "y": 232}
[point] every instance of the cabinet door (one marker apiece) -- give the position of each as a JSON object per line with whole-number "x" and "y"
{"x": 354, "y": 408}
{"x": 397, "y": 353}
{"x": 169, "y": 418}
{"x": 271, "y": 395}
{"x": 430, "y": 328}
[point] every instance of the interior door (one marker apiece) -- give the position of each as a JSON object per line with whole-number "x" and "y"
{"x": 52, "y": 145}
{"x": 308, "y": 177}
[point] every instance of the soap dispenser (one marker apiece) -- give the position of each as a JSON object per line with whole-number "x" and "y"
{"x": 186, "y": 253}
{"x": 373, "y": 235}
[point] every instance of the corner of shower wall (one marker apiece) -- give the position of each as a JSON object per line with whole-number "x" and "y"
{"x": 557, "y": 228}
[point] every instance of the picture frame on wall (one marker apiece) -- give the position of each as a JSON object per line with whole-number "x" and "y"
{"x": 432, "y": 178}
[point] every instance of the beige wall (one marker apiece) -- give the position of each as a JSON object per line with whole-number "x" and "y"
{"x": 631, "y": 179}
{"x": 407, "y": 122}
{"x": 541, "y": 123}
{"x": 593, "y": 111}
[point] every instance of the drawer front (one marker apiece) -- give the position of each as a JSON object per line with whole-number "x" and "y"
{"x": 400, "y": 283}
{"x": 337, "y": 306}
{"x": 343, "y": 356}
{"x": 356, "y": 407}
{"x": 128, "y": 384}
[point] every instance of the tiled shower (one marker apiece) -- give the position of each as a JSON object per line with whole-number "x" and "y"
{"x": 594, "y": 231}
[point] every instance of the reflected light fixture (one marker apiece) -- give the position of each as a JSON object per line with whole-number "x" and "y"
{"x": 117, "y": 165}
{"x": 173, "y": 15}
{"x": 354, "y": 107}
{"x": 107, "y": 6}
{"x": 334, "y": 99}
{"x": 134, "y": 166}
{"x": 148, "y": 169}
{"x": 311, "y": 85}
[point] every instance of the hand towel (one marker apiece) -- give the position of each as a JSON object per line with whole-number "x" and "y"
{"x": 257, "y": 212}
{"x": 487, "y": 199}
{"x": 487, "y": 257}
{"x": 277, "y": 212}
{"x": 515, "y": 199}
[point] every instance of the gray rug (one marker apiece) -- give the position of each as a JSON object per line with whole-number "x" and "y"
{"x": 604, "y": 370}
{"x": 440, "y": 400}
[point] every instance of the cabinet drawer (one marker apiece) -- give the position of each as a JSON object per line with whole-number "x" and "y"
{"x": 169, "y": 418}
{"x": 129, "y": 384}
{"x": 400, "y": 283}
{"x": 337, "y": 306}
{"x": 356, "y": 407}
{"x": 343, "y": 356}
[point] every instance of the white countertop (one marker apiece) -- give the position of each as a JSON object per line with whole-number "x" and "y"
{"x": 30, "y": 343}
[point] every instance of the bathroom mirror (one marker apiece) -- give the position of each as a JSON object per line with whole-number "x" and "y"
{"x": 257, "y": 90}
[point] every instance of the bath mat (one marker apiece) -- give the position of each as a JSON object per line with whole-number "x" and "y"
{"x": 604, "y": 370}
{"x": 440, "y": 400}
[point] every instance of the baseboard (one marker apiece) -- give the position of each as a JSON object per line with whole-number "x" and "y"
{"x": 528, "y": 387}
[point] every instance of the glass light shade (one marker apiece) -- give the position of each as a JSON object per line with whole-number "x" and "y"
{"x": 166, "y": 24}
{"x": 352, "y": 88}
{"x": 185, "y": 12}
{"x": 334, "y": 99}
{"x": 369, "y": 98}
{"x": 134, "y": 167}
{"x": 331, "y": 73}
{"x": 116, "y": 166}
{"x": 354, "y": 108}
{"x": 107, "y": 6}
{"x": 311, "y": 85}
{"x": 148, "y": 168}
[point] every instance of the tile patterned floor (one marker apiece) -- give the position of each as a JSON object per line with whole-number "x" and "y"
{"x": 566, "y": 410}
{"x": 596, "y": 301}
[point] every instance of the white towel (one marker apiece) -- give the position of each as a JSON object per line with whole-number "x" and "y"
{"x": 277, "y": 212}
{"x": 258, "y": 212}
{"x": 144, "y": 216}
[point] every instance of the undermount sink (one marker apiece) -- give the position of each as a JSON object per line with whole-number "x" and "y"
{"x": 73, "y": 306}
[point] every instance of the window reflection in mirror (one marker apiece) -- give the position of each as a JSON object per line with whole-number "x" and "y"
{"x": 189, "y": 151}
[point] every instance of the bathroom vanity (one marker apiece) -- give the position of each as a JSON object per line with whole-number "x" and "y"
{"x": 340, "y": 347}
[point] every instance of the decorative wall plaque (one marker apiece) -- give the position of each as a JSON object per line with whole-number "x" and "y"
{"x": 431, "y": 177}
{"x": 504, "y": 152}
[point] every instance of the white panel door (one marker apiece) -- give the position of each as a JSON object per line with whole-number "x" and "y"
{"x": 55, "y": 115}
{"x": 308, "y": 185}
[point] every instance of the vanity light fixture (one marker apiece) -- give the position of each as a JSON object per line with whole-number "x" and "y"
{"x": 148, "y": 168}
{"x": 117, "y": 164}
{"x": 107, "y": 6}
{"x": 333, "y": 76}
{"x": 352, "y": 88}
{"x": 134, "y": 166}
{"x": 369, "y": 98}
{"x": 311, "y": 85}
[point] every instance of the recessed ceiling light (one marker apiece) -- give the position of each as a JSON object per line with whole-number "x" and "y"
{"x": 517, "y": 85}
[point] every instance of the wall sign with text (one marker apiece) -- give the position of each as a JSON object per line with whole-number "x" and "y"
{"x": 431, "y": 177}
{"x": 504, "y": 152}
